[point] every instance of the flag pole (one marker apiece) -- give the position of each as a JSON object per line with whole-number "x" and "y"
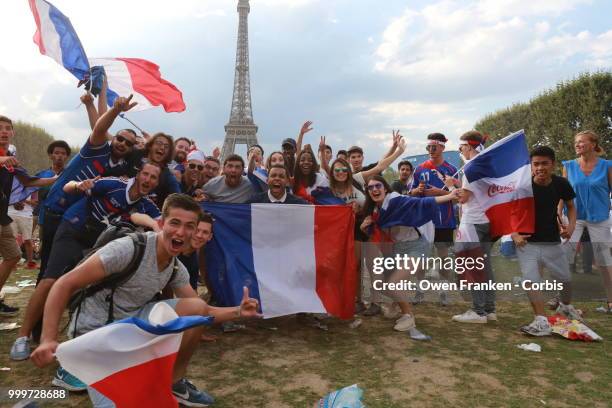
{"x": 122, "y": 115}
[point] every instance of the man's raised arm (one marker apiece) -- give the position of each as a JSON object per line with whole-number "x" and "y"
{"x": 100, "y": 133}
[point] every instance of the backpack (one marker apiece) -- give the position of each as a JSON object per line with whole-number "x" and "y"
{"x": 115, "y": 280}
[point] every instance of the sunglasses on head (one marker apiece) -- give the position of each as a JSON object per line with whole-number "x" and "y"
{"x": 375, "y": 186}
{"x": 194, "y": 166}
{"x": 125, "y": 141}
{"x": 341, "y": 170}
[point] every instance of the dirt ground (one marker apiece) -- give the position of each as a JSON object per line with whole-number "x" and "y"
{"x": 286, "y": 362}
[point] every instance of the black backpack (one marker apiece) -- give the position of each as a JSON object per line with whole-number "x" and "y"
{"x": 112, "y": 281}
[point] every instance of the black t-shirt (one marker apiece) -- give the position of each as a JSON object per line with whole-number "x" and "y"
{"x": 546, "y": 200}
{"x": 401, "y": 188}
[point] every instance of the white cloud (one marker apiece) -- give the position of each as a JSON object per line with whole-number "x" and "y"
{"x": 451, "y": 41}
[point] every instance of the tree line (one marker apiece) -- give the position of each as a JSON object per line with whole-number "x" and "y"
{"x": 553, "y": 117}
{"x": 31, "y": 142}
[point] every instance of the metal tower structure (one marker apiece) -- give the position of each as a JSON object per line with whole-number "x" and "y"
{"x": 241, "y": 129}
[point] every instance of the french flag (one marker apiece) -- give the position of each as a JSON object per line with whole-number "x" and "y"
{"x": 142, "y": 79}
{"x": 293, "y": 258}
{"x": 131, "y": 361}
{"x": 401, "y": 210}
{"x": 57, "y": 39}
{"x": 501, "y": 179}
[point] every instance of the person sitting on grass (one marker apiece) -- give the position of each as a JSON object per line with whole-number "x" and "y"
{"x": 158, "y": 267}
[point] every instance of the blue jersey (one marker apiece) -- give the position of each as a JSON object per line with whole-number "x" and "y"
{"x": 434, "y": 176}
{"x": 92, "y": 161}
{"x": 108, "y": 198}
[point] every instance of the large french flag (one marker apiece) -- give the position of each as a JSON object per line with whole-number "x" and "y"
{"x": 131, "y": 361}
{"x": 293, "y": 258}
{"x": 142, "y": 79}
{"x": 57, "y": 39}
{"x": 501, "y": 179}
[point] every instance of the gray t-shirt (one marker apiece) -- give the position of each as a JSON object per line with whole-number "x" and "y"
{"x": 219, "y": 192}
{"x": 131, "y": 296}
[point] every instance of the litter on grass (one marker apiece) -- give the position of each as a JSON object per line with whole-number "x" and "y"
{"x": 530, "y": 347}
{"x": 9, "y": 326}
{"x": 9, "y": 290}
{"x": 572, "y": 329}
{"x": 347, "y": 397}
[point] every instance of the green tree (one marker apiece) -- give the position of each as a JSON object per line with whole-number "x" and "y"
{"x": 31, "y": 142}
{"x": 553, "y": 117}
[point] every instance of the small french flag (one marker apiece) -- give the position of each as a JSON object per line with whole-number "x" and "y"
{"x": 142, "y": 79}
{"x": 500, "y": 179}
{"x": 57, "y": 39}
{"x": 131, "y": 361}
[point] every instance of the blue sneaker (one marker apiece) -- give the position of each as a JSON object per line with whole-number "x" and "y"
{"x": 68, "y": 381}
{"x": 187, "y": 394}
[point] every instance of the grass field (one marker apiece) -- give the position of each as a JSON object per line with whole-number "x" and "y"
{"x": 286, "y": 363}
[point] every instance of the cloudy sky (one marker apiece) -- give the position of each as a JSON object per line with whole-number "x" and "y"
{"x": 356, "y": 68}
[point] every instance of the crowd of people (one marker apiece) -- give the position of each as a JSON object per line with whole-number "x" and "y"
{"x": 156, "y": 183}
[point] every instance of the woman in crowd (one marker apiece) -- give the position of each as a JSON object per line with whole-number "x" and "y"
{"x": 473, "y": 237}
{"x": 306, "y": 176}
{"x": 258, "y": 176}
{"x": 393, "y": 218}
{"x": 591, "y": 179}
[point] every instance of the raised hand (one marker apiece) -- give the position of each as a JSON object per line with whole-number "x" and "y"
{"x": 248, "y": 306}
{"x": 88, "y": 184}
{"x": 396, "y": 137}
{"x": 216, "y": 152}
{"x": 322, "y": 144}
{"x": 124, "y": 104}
{"x": 87, "y": 98}
{"x": 306, "y": 128}
{"x": 401, "y": 143}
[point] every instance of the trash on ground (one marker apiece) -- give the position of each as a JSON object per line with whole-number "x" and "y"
{"x": 355, "y": 323}
{"x": 572, "y": 329}
{"x": 9, "y": 326}
{"x": 25, "y": 283}
{"x": 7, "y": 290}
{"x": 530, "y": 347}
{"x": 347, "y": 397}
{"x": 5, "y": 368}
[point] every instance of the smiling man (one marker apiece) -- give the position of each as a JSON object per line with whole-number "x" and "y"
{"x": 133, "y": 298}
{"x": 83, "y": 222}
{"x": 231, "y": 186}
{"x": 277, "y": 189}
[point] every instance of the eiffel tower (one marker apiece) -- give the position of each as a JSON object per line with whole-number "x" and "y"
{"x": 241, "y": 128}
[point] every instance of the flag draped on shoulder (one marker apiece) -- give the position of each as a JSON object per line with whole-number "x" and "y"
{"x": 500, "y": 179}
{"x": 131, "y": 361}
{"x": 57, "y": 39}
{"x": 142, "y": 79}
{"x": 293, "y": 258}
{"x": 398, "y": 209}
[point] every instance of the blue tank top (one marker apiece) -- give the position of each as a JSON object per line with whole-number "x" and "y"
{"x": 592, "y": 192}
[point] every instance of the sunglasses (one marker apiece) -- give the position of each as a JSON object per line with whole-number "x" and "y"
{"x": 194, "y": 166}
{"x": 431, "y": 148}
{"x": 341, "y": 170}
{"x": 125, "y": 141}
{"x": 375, "y": 186}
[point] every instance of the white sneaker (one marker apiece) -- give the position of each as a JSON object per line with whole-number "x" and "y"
{"x": 569, "y": 311}
{"x": 404, "y": 323}
{"x": 539, "y": 327}
{"x": 492, "y": 316}
{"x": 470, "y": 317}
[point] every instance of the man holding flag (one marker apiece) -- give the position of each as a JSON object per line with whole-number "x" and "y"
{"x": 157, "y": 268}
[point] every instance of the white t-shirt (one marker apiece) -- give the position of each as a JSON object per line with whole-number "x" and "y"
{"x": 354, "y": 196}
{"x": 471, "y": 212}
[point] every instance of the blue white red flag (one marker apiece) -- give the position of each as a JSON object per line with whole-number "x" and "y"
{"x": 57, "y": 39}
{"x": 131, "y": 361}
{"x": 293, "y": 258}
{"x": 401, "y": 210}
{"x": 142, "y": 79}
{"x": 500, "y": 179}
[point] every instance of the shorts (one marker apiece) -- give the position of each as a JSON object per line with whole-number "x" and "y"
{"x": 8, "y": 244}
{"x": 443, "y": 237}
{"x": 601, "y": 241}
{"x": 550, "y": 255}
{"x": 68, "y": 249}
{"x": 22, "y": 225}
